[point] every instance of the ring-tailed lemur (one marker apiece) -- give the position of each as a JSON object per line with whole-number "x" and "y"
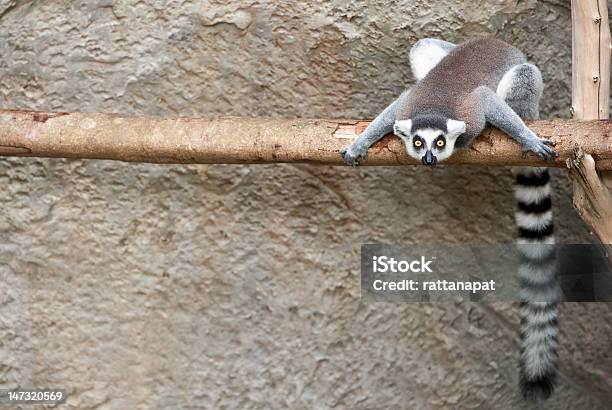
{"x": 459, "y": 90}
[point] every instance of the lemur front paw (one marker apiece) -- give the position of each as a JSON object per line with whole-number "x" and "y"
{"x": 354, "y": 153}
{"x": 539, "y": 146}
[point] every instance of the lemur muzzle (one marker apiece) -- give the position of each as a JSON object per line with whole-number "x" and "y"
{"x": 429, "y": 158}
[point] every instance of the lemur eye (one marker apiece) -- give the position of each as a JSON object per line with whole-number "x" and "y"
{"x": 418, "y": 143}
{"x": 440, "y": 143}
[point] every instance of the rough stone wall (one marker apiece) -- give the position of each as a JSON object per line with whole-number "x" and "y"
{"x": 147, "y": 287}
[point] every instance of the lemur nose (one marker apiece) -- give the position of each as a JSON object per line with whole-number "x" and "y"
{"x": 429, "y": 158}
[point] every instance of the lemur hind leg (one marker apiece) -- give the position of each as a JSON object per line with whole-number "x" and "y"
{"x": 382, "y": 125}
{"x": 425, "y": 54}
{"x": 521, "y": 87}
{"x": 516, "y": 87}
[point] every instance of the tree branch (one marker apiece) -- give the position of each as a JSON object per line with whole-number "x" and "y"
{"x": 259, "y": 140}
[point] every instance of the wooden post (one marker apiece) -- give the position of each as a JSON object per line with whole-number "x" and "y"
{"x": 590, "y": 60}
{"x": 591, "y": 48}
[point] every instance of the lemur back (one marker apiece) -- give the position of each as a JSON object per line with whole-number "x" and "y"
{"x": 447, "y": 87}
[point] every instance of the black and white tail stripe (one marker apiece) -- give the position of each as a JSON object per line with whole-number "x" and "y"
{"x": 538, "y": 284}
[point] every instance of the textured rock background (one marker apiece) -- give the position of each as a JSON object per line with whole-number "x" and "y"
{"x": 142, "y": 286}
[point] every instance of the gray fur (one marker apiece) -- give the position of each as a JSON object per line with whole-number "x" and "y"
{"x": 524, "y": 96}
{"x": 464, "y": 86}
{"x": 498, "y": 113}
{"x": 382, "y": 125}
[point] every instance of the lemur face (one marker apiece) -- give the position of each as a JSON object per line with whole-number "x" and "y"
{"x": 429, "y": 145}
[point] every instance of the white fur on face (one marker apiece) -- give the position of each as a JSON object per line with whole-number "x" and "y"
{"x": 403, "y": 130}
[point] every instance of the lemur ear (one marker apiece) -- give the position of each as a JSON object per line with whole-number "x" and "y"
{"x": 455, "y": 128}
{"x": 402, "y": 127}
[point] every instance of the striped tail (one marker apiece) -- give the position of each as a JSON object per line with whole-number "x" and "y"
{"x": 538, "y": 284}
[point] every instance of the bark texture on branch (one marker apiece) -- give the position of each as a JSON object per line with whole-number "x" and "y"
{"x": 259, "y": 140}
